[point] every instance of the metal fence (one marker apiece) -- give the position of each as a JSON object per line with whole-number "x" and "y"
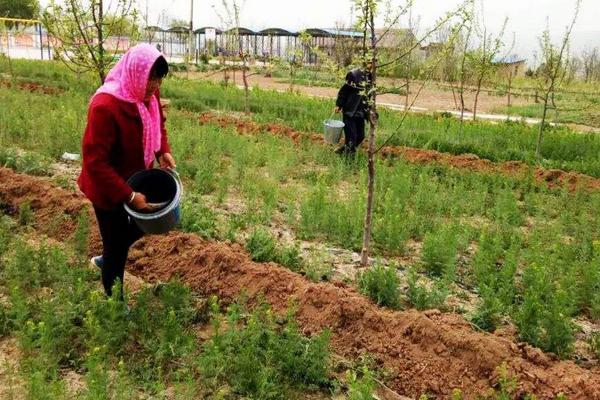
{"x": 29, "y": 40}
{"x": 24, "y": 39}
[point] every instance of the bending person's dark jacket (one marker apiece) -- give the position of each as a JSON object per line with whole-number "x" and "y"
{"x": 351, "y": 97}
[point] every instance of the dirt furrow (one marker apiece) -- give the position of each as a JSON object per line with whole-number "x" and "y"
{"x": 425, "y": 352}
{"x": 549, "y": 177}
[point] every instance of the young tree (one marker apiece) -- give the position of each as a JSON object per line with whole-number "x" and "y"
{"x": 552, "y": 71}
{"x": 230, "y": 17}
{"x": 482, "y": 59}
{"x": 447, "y": 70}
{"x": 81, "y": 29}
{"x": 295, "y": 56}
{"x": 410, "y": 59}
{"x": 463, "y": 70}
{"x": 367, "y": 12}
{"x": 590, "y": 62}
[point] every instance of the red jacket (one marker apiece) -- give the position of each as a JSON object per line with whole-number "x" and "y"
{"x": 113, "y": 150}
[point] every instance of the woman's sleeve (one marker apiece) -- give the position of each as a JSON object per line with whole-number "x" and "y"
{"x": 164, "y": 139}
{"x": 98, "y": 141}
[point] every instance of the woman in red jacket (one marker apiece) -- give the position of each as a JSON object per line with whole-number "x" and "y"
{"x": 125, "y": 134}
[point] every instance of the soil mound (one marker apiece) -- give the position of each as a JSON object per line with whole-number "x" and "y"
{"x": 425, "y": 352}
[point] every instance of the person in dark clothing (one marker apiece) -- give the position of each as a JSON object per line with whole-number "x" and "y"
{"x": 352, "y": 102}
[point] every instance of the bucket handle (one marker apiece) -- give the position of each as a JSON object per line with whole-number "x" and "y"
{"x": 175, "y": 175}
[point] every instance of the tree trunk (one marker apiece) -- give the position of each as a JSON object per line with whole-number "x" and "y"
{"x": 538, "y": 147}
{"x": 370, "y": 21}
{"x": 101, "y": 66}
{"x": 509, "y": 89}
{"x": 370, "y": 194}
{"x": 479, "y": 82}
{"x": 454, "y": 96}
{"x": 246, "y": 88}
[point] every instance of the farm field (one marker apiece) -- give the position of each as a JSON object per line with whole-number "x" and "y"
{"x": 578, "y": 108}
{"x": 432, "y": 97}
{"x": 486, "y": 276}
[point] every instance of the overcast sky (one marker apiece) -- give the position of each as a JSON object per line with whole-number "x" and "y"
{"x": 527, "y": 18}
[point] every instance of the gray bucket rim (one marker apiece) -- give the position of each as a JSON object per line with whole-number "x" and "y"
{"x": 337, "y": 123}
{"x": 161, "y": 213}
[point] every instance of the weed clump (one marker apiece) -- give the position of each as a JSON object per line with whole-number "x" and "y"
{"x": 380, "y": 283}
{"x": 263, "y": 248}
{"x": 198, "y": 219}
{"x": 423, "y": 297}
{"x": 544, "y": 317}
{"x": 261, "y": 356}
{"x": 439, "y": 252}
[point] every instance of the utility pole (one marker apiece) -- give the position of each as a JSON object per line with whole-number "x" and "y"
{"x": 192, "y": 50}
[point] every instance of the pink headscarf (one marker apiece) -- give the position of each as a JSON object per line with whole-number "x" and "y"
{"x": 127, "y": 81}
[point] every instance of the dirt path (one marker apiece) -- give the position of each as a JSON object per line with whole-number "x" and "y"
{"x": 425, "y": 352}
{"x": 431, "y": 98}
{"x": 549, "y": 177}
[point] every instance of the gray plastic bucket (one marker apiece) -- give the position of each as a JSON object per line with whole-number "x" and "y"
{"x": 333, "y": 130}
{"x": 159, "y": 186}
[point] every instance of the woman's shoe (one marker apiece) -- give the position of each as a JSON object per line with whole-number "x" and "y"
{"x": 97, "y": 262}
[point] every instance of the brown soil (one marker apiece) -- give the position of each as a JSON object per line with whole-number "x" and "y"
{"x": 31, "y": 87}
{"x": 471, "y": 162}
{"x": 425, "y": 352}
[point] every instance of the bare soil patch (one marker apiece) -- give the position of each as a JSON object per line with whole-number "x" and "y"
{"x": 425, "y": 352}
{"x": 31, "y": 87}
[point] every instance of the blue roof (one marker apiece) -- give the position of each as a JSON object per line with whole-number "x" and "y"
{"x": 339, "y": 32}
{"x": 318, "y": 32}
{"x": 512, "y": 59}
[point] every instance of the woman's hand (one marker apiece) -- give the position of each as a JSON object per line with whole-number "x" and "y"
{"x": 139, "y": 202}
{"x": 167, "y": 161}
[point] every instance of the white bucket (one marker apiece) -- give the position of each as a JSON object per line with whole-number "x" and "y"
{"x": 333, "y": 130}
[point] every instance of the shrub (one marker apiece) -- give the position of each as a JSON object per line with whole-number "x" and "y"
{"x": 488, "y": 314}
{"x": 289, "y": 256}
{"x": 6, "y": 320}
{"x": 360, "y": 388}
{"x": 25, "y": 213}
{"x": 423, "y": 298}
{"x": 261, "y": 246}
{"x": 80, "y": 238}
{"x": 594, "y": 342}
{"x": 381, "y": 285}
{"x": 439, "y": 252}
{"x": 198, "y": 219}
{"x": 162, "y": 318}
{"x": 507, "y": 210}
{"x": 260, "y": 358}
{"x": 544, "y": 317}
